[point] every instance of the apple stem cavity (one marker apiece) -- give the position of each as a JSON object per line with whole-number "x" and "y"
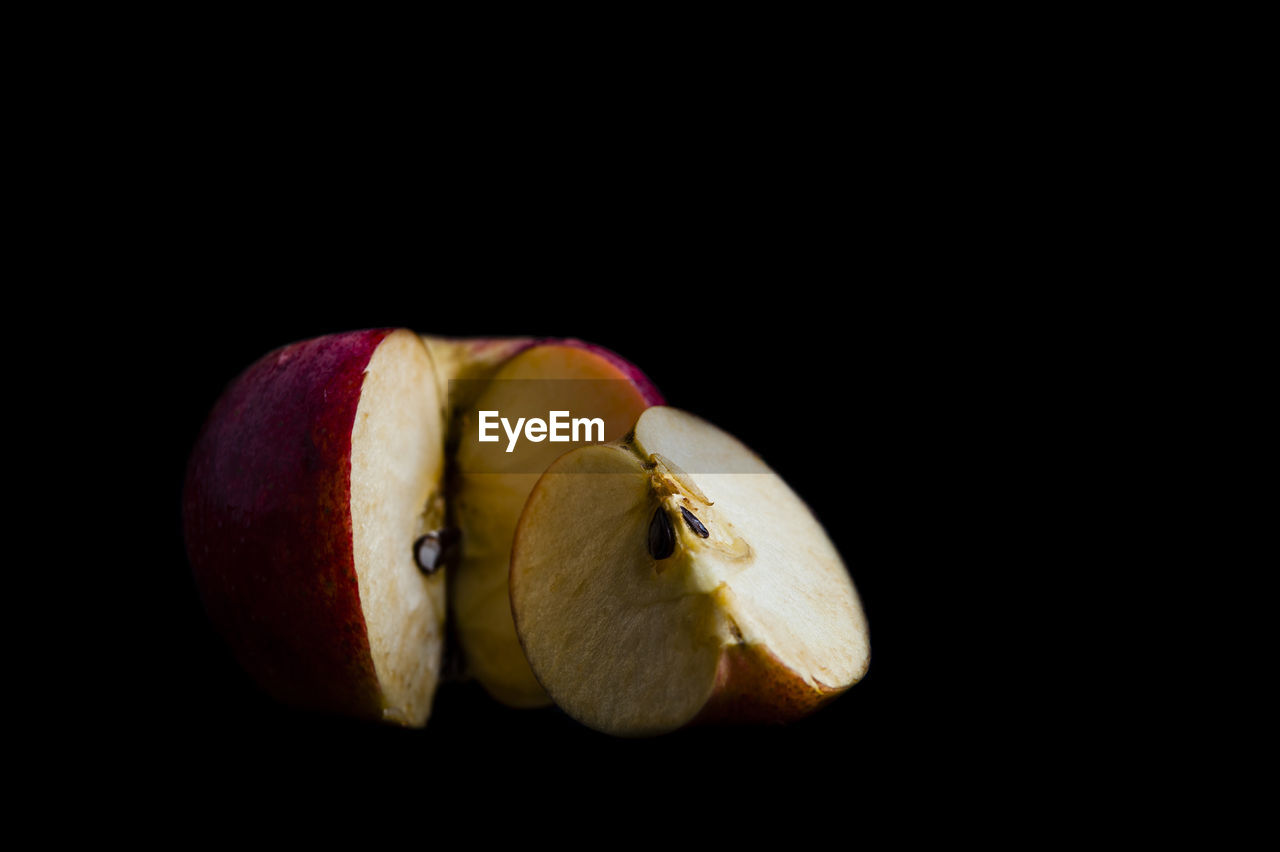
{"x": 435, "y": 549}
{"x": 662, "y": 536}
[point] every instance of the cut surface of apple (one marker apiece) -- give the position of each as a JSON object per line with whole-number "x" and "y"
{"x": 315, "y": 473}
{"x": 490, "y": 486}
{"x": 672, "y": 577}
{"x": 467, "y": 363}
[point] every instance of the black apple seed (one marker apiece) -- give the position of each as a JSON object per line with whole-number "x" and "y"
{"x": 662, "y": 536}
{"x": 693, "y": 522}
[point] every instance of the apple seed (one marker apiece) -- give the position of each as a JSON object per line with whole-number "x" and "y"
{"x": 693, "y": 522}
{"x": 662, "y": 537}
{"x": 435, "y": 549}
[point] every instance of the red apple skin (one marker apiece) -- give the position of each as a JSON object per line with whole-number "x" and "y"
{"x": 753, "y": 686}
{"x": 633, "y": 373}
{"x": 267, "y": 522}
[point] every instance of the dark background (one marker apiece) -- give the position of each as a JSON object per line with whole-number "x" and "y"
{"x": 844, "y": 265}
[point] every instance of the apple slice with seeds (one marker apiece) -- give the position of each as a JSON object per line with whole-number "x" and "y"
{"x": 672, "y": 577}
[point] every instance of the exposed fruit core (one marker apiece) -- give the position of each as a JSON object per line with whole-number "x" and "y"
{"x": 397, "y": 464}
{"x": 633, "y": 635}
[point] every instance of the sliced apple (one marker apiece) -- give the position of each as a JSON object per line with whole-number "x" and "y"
{"x": 672, "y": 577}
{"x": 467, "y": 363}
{"x": 312, "y": 479}
{"x": 490, "y": 486}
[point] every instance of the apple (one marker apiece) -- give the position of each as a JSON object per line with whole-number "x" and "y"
{"x": 322, "y": 510}
{"x": 315, "y": 478}
{"x": 671, "y": 577}
{"x": 491, "y": 481}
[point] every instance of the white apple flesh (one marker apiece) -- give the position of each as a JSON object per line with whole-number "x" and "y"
{"x": 672, "y": 577}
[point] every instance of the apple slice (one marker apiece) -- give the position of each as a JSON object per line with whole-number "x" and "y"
{"x": 490, "y": 486}
{"x": 314, "y": 476}
{"x": 672, "y": 577}
{"x": 467, "y": 363}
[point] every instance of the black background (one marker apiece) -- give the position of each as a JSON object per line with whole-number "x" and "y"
{"x": 842, "y": 261}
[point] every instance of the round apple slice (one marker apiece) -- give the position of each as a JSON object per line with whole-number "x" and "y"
{"x": 492, "y": 479}
{"x": 672, "y": 577}
{"x": 314, "y": 476}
